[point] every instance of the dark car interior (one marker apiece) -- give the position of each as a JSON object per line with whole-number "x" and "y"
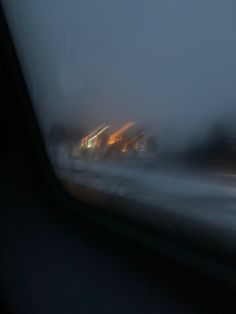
{"x": 61, "y": 256}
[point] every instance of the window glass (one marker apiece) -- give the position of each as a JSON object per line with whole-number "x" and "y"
{"x": 135, "y": 99}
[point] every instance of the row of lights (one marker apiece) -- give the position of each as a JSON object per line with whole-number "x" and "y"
{"x": 92, "y": 139}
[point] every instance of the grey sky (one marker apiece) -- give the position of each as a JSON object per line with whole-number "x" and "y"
{"x": 165, "y": 62}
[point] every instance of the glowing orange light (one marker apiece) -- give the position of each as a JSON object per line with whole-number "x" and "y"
{"x": 96, "y": 135}
{"x": 117, "y": 136}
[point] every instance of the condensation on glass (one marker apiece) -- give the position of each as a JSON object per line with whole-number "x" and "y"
{"x": 136, "y": 100}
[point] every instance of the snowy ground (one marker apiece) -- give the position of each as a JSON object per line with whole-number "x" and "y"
{"x": 191, "y": 205}
{"x": 191, "y": 194}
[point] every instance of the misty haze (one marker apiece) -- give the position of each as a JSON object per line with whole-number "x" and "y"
{"x": 135, "y": 96}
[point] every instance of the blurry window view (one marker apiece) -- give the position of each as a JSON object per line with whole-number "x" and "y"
{"x": 136, "y": 99}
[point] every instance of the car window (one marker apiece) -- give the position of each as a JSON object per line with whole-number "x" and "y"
{"x": 136, "y": 100}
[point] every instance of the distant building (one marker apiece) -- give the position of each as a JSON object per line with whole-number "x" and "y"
{"x": 125, "y": 141}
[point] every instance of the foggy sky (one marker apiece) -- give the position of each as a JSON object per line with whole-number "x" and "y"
{"x": 170, "y": 64}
